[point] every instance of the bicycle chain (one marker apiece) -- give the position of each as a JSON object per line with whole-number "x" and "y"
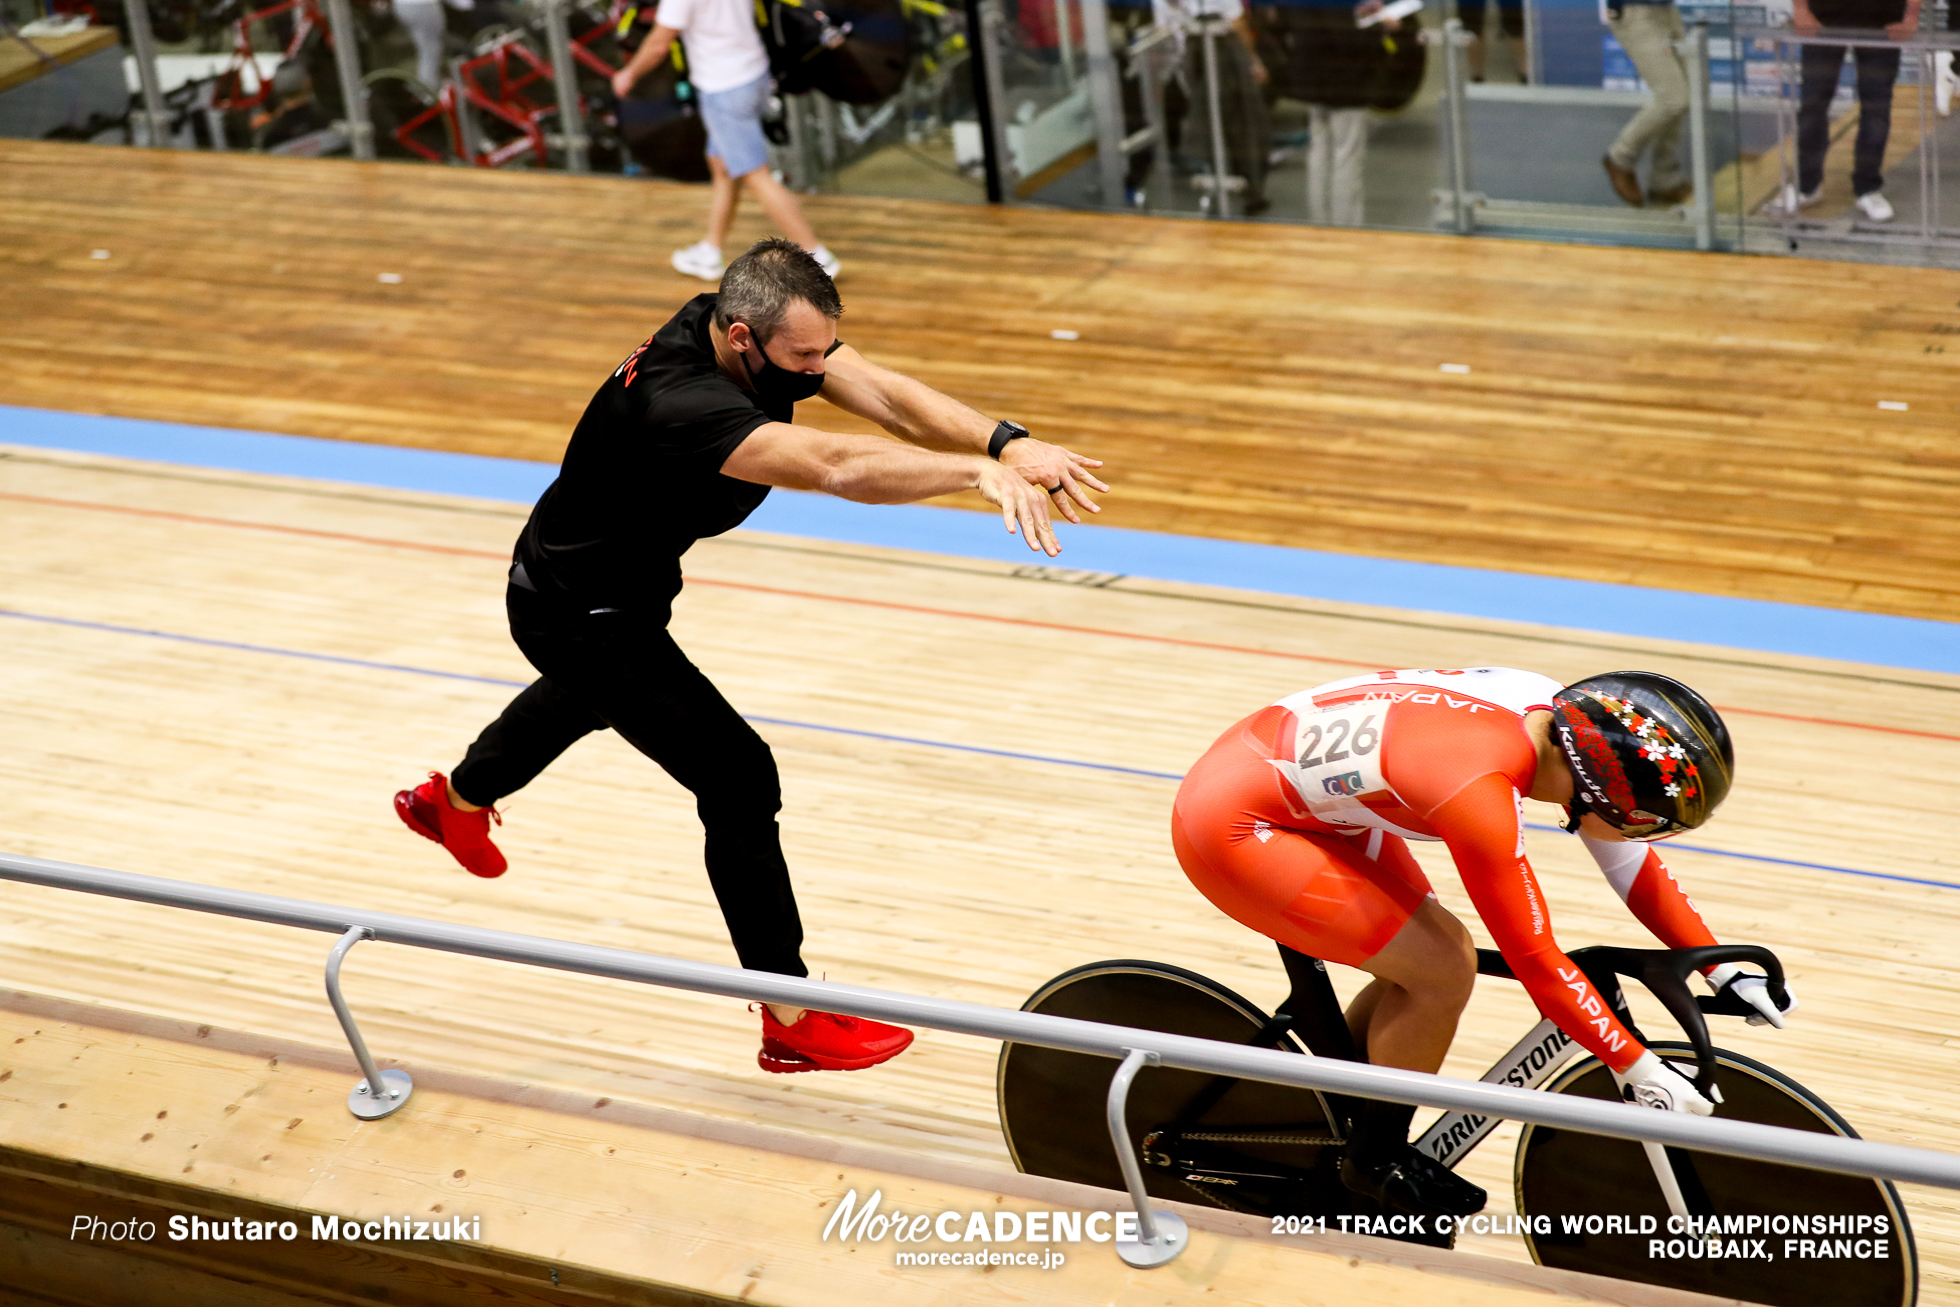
{"x": 1259, "y": 1138}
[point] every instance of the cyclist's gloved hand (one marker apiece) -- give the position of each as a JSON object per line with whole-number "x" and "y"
{"x": 1753, "y": 990}
{"x": 1651, "y": 1082}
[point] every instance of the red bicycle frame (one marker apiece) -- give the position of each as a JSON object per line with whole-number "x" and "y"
{"x": 514, "y": 68}
{"x": 230, "y": 92}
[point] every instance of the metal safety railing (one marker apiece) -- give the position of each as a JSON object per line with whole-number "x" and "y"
{"x": 151, "y": 124}
{"x": 1458, "y": 203}
{"x": 1921, "y": 49}
{"x": 1161, "y": 1232}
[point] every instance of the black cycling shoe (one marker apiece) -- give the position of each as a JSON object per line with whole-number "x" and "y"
{"x": 1410, "y": 1180}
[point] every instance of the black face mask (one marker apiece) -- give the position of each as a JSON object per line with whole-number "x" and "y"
{"x": 774, "y": 385}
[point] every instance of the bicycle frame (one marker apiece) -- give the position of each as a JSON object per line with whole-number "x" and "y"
{"x": 1546, "y": 1049}
{"x": 231, "y": 94}
{"x": 1532, "y": 1061}
{"x": 516, "y": 68}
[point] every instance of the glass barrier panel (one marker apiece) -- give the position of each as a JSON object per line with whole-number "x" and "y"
{"x": 1620, "y": 123}
{"x": 919, "y": 139}
{"x": 1865, "y": 143}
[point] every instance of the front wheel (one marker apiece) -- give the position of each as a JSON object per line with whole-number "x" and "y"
{"x": 1781, "y": 1235}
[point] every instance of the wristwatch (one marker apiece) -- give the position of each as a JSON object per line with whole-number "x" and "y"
{"x": 1003, "y": 433}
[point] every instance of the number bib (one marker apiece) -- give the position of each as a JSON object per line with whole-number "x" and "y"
{"x": 1337, "y": 759}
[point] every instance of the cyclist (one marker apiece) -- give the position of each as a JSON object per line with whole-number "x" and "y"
{"x": 1295, "y": 822}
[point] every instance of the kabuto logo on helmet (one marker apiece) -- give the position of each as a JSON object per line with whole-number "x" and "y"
{"x": 1647, "y": 754}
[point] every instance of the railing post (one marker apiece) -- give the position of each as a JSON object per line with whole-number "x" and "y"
{"x": 347, "y": 60}
{"x": 1161, "y": 1236}
{"x": 1208, "y": 29}
{"x": 571, "y": 120}
{"x": 797, "y": 174}
{"x": 467, "y": 134}
{"x": 1929, "y": 182}
{"x": 379, "y": 1092}
{"x": 1463, "y": 207}
{"x": 155, "y": 123}
{"x": 1147, "y": 58}
{"x": 1105, "y": 97}
{"x": 1703, "y": 174}
{"x": 990, "y": 97}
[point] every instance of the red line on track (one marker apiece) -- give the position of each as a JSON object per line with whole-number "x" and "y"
{"x": 457, "y": 551}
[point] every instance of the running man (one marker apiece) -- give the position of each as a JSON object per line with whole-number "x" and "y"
{"x": 680, "y": 443}
{"x": 1295, "y": 824}
{"x": 729, "y": 67}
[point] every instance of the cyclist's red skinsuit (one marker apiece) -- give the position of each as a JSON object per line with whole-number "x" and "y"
{"x": 1294, "y": 824}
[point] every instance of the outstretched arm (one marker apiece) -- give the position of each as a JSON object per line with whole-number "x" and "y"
{"x": 1480, "y": 825}
{"x": 871, "y": 470}
{"x": 1650, "y": 891}
{"x": 1648, "y": 888}
{"x": 920, "y": 415}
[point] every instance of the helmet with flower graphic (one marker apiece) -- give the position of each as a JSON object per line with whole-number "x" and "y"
{"x": 1648, "y": 755}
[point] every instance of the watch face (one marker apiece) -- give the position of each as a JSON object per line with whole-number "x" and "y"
{"x": 1016, "y": 428}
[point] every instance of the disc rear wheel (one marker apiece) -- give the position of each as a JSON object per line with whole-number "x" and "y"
{"x": 1242, "y": 1145}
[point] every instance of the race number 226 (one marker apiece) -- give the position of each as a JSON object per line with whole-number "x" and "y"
{"x": 1342, "y": 737}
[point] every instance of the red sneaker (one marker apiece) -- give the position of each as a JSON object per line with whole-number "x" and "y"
{"x": 827, "y": 1041}
{"x": 426, "y": 810}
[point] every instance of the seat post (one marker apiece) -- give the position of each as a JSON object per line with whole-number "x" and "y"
{"x": 1316, "y": 1012}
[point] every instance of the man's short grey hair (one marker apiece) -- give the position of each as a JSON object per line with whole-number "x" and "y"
{"x": 758, "y": 287}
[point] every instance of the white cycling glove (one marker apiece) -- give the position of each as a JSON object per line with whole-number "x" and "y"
{"x": 1753, "y": 990}
{"x": 1656, "y": 1084}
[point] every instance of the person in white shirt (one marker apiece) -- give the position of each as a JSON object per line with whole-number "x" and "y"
{"x": 729, "y": 69}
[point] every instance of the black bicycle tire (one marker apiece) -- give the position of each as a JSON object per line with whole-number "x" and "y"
{"x": 1769, "y": 1075}
{"x": 1204, "y": 984}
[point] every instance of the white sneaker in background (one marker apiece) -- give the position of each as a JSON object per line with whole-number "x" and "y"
{"x": 699, "y": 260}
{"x": 1875, "y": 206}
{"x": 1943, "y": 82}
{"x": 1792, "y": 200}
{"x": 826, "y": 260}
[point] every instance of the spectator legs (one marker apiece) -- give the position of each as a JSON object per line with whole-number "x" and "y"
{"x": 1337, "y": 152}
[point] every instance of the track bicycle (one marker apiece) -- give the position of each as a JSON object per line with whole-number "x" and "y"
{"x": 1588, "y": 1203}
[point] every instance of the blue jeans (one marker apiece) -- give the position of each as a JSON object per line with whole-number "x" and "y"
{"x": 1877, "y": 70}
{"x": 734, "y": 122}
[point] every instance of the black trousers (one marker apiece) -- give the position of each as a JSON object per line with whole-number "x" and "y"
{"x": 1878, "y": 69}
{"x": 613, "y": 669}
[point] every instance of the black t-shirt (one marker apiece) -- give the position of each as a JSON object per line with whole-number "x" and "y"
{"x": 641, "y": 480}
{"x": 1858, "y": 13}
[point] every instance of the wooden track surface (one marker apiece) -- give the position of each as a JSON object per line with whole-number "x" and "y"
{"x": 20, "y": 64}
{"x": 920, "y": 867}
{"x": 1696, "y": 422}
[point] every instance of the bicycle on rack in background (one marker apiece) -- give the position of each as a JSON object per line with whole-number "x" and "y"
{"x": 1732, "y": 1227}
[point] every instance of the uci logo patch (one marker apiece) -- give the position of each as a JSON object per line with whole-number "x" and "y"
{"x": 1346, "y": 785}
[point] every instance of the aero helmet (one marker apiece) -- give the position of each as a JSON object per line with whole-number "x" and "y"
{"x": 1648, "y": 755}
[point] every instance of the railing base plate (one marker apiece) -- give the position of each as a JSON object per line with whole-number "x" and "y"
{"x": 1172, "y": 1236}
{"x": 395, "y": 1089}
